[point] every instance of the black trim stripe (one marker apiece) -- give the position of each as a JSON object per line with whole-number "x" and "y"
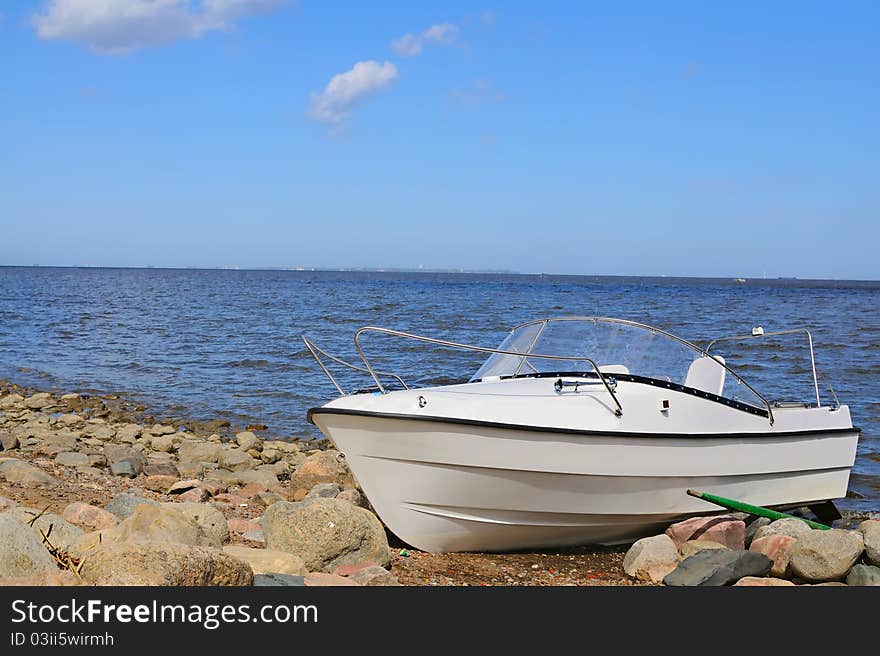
{"x": 566, "y": 431}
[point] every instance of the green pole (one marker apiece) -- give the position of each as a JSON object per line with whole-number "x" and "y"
{"x": 733, "y": 504}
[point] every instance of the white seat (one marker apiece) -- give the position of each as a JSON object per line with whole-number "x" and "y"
{"x": 613, "y": 369}
{"x": 706, "y": 374}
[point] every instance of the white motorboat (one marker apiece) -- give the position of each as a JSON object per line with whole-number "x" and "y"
{"x": 578, "y": 430}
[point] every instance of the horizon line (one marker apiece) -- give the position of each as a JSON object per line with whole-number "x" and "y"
{"x": 447, "y": 270}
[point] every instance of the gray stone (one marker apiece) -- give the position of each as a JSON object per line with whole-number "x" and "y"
{"x": 127, "y": 468}
{"x": 21, "y": 551}
{"x": 354, "y": 497}
{"x": 8, "y": 441}
{"x": 870, "y": 531}
{"x": 691, "y": 547}
{"x": 72, "y": 459}
{"x": 25, "y": 474}
{"x": 753, "y": 526}
{"x": 863, "y": 575}
{"x": 326, "y": 533}
{"x": 269, "y": 561}
{"x": 10, "y": 401}
{"x": 128, "y": 433}
{"x": 124, "y": 503}
{"x": 163, "y": 443}
{"x": 825, "y": 555}
{"x": 118, "y": 452}
{"x": 162, "y": 429}
{"x": 165, "y": 564}
{"x": 258, "y": 477}
{"x": 236, "y": 460}
{"x": 270, "y": 456}
{"x": 324, "y": 490}
{"x": 794, "y": 528}
{"x": 38, "y": 401}
{"x": 374, "y": 576}
{"x": 192, "y": 451}
{"x": 714, "y": 567}
{"x": 247, "y": 440}
{"x": 256, "y": 535}
{"x": 651, "y": 558}
{"x": 59, "y": 531}
{"x": 209, "y": 519}
{"x": 71, "y": 420}
{"x": 278, "y": 580}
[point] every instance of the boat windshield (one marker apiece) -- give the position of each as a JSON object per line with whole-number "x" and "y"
{"x": 617, "y": 347}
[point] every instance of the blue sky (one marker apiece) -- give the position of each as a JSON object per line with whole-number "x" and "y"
{"x": 640, "y": 138}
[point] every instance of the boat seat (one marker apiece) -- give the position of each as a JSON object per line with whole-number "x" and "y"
{"x": 613, "y": 369}
{"x": 706, "y": 374}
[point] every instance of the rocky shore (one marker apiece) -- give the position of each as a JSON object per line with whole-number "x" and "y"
{"x": 95, "y": 492}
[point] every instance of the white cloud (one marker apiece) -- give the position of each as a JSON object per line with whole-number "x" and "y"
{"x": 334, "y": 104}
{"x": 410, "y": 45}
{"x": 120, "y": 26}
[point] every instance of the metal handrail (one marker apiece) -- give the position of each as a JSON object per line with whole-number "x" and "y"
{"x": 471, "y": 347}
{"x": 659, "y": 331}
{"x": 314, "y": 350}
{"x": 782, "y": 332}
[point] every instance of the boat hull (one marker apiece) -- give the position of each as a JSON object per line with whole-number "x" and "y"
{"x": 466, "y": 486}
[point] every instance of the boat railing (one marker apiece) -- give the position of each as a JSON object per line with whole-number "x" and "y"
{"x": 318, "y": 352}
{"x": 759, "y": 332}
{"x": 618, "y": 411}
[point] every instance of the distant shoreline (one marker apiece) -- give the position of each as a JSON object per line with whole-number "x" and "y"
{"x": 732, "y": 279}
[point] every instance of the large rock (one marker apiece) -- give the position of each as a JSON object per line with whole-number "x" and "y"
{"x": 863, "y": 575}
{"x": 89, "y": 517}
{"x": 21, "y": 551}
{"x": 124, "y": 503}
{"x": 193, "y": 451}
{"x": 148, "y": 523}
{"x": 650, "y": 559}
{"x": 723, "y": 529}
{"x": 826, "y": 555}
{"x": 59, "y": 532}
{"x": 25, "y": 474}
{"x": 777, "y": 547}
{"x": 791, "y": 527}
{"x": 713, "y": 567}
{"x": 321, "y": 467}
{"x": 236, "y": 460}
{"x": 163, "y": 564}
{"x": 209, "y": 519}
{"x": 326, "y": 533}
{"x": 870, "y": 531}
{"x": 269, "y": 561}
